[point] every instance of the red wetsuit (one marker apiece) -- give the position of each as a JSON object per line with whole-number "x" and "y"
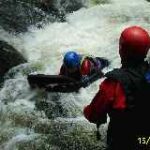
{"x": 111, "y": 95}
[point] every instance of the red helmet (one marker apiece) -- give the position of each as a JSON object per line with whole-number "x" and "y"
{"x": 134, "y": 43}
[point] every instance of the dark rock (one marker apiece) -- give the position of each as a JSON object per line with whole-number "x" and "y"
{"x": 17, "y": 16}
{"x": 71, "y": 5}
{"x": 52, "y": 108}
{"x": 9, "y": 57}
{"x": 60, "y": 8}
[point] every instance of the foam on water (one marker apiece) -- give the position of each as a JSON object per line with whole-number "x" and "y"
{"x": 94, "y": 30}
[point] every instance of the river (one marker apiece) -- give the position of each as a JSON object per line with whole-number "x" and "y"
{"x": 93, "y": 30}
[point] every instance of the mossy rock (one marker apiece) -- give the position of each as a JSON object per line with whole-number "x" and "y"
{"x": 9, "y": 57}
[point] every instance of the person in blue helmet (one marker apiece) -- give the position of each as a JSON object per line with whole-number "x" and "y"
{"x": 80, "y": 67}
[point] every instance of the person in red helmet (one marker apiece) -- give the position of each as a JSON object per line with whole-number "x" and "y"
{"x": 81, "y": 67}
{"x": 124, "y": 95}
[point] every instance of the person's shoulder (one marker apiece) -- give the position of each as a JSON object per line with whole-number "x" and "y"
{"x": 111, "y": 77}
{"x": 108, "y": 82}
{"x": 113, "y": 73}
{"x": 108, "y": 87}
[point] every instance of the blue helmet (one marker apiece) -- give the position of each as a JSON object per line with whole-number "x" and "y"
{"x": 71, "y": 59}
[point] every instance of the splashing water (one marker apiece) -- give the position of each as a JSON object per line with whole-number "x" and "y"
{"x": 93, "y": 30}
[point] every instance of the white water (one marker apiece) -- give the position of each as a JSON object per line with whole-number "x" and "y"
{"x": 94, "y": 30}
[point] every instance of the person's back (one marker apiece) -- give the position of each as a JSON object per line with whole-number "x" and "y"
{"x": 124, "y": 95}
{"x": 131, "y": 123}
{"x": 128, "y": 125}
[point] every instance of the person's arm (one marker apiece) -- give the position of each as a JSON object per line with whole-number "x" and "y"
{"x": 104, "y": 100}
{"x": 62, "y": 70}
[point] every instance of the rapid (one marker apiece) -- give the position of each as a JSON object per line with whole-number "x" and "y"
{"x": 37, "y": 120}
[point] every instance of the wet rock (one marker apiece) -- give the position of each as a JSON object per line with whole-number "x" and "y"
{"x": 97, "y": 2}
{"x": 50, "y": 7}
{"x": 17, "y": 16}
{"x": 63, "y": 5}
{"x": 52, "y": 107}
{"x": 72, "y": 5}
{"x": 47, "y": 5}
{"x": 9, "y": 57}
{"x": 60, "y": 8}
